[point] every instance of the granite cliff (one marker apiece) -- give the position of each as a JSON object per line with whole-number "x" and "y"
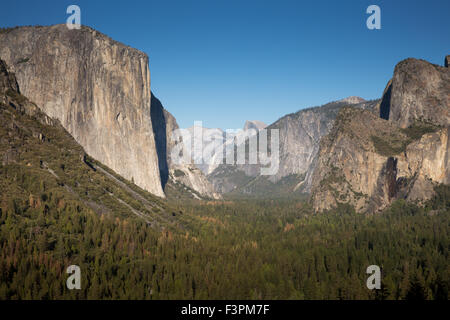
{"x": 99, "y": 90}
{"x": 368, "y": 160}
{"x": 418, "y": 90}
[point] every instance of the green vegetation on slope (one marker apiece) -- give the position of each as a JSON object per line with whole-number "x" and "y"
{"x": 262, "y": 188}
{"x": 289, "y": 252}
{"x": 390, "y": 146}
{"x": 45, "y": 163}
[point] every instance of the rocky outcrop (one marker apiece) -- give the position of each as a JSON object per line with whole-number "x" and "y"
{"x": 192, "y": 177}
{"x": 352, "y": 100}
{"x": 427, "y": 161}
{"x": 7, "y": 80}
{"x": 97, "y": 88}
{"x": 418, "y": 90}
{"x": 10, "y": 95}
{"x": 368, "y": 161}
{"x": 348, "y": 166}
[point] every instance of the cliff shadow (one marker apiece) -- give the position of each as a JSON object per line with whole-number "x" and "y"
{"x": 385, "y": 106}
{"x": 159, "y": 131}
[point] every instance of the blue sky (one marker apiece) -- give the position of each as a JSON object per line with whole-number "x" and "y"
{"x": 224, "y": 62}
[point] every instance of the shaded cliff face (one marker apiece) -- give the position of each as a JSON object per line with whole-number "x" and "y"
{"x": 368, "y": 161}
{"x": 188, "y": 175}
{"x": 418, "y": 90}
{"x": 160, "y": 130}
{"x": 97, "y": 88}
{"x": 7, "y": 81}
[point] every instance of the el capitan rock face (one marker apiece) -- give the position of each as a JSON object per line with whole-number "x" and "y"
{"x": 97, "y": 88}
{"x": 10, "y": 95}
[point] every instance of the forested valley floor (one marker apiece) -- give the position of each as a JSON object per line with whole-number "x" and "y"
{"x": 223, "y": 250}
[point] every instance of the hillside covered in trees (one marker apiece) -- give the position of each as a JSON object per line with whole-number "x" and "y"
{"x": 236, "y": 250}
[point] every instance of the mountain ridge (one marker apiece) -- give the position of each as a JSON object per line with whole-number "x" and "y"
{"x": 300, "y": 134}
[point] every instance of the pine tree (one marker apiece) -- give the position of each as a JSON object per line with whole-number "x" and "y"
{"x": 416, "y": 290}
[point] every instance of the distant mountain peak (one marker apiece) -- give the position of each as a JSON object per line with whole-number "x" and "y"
{"x": 254, "y": 124}
{"x": 352, "y": 100}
